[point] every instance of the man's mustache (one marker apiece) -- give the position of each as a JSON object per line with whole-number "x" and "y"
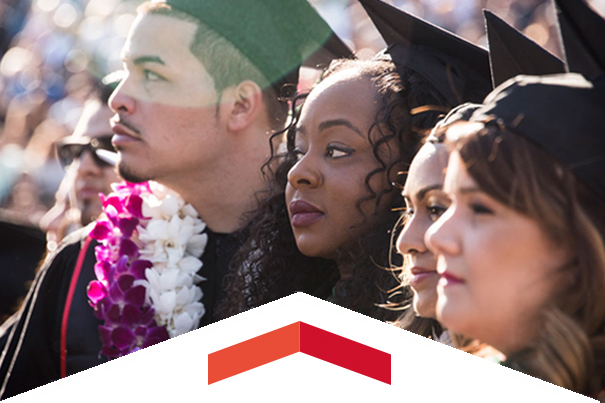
{"x": 118, "y": 119}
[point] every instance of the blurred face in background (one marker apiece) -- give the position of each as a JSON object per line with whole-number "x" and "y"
{"x": 91, "y": 175}
{"x": 86, "y": 175}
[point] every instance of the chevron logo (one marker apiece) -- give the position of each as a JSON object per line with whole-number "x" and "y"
{"x": 299, "y": 337}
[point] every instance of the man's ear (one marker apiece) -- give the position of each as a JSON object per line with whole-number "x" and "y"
{"x": 246, "y": 103}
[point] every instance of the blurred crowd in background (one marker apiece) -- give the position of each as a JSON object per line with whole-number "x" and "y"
{"x": 52, "y": 51}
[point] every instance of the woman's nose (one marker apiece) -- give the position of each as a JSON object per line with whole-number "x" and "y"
{"x": 411, "y": 238}
{"x": 304, "y": 173}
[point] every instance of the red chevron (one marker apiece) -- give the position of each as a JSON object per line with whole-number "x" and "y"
{"x": 304, "y": 338}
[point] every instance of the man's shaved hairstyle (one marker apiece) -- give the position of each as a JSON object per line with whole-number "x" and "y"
{"x": 224, "y": 62}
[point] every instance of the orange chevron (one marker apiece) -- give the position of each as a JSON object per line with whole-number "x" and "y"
{"x": 253, "y": 353}
{"x": 294, "y": 338}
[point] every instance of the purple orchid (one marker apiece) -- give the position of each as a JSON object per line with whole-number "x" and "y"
{"x": 116, "y": 296}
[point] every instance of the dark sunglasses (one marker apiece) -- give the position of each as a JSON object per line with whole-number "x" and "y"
{"x": 69, "y": 150}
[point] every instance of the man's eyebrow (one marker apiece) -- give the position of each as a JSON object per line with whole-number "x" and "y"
{"x": 339, "y": 122}
{"x": 148, "y": 59}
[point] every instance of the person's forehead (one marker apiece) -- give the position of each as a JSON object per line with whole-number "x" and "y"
{"x": 346, "y": 92}
{"x": 159, "y": 35}
{"x": 428, "y": 167}
{"x": 456, "y": 175}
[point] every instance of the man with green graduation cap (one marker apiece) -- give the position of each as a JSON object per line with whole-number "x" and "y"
{"x": 194, "y": 112}
{"x": 201, "y": 98}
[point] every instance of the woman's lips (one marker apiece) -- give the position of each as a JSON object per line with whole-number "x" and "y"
{"x": 304, "y": 214}
{"x": 419, "y": 275}
{"x": 448, "y": 279}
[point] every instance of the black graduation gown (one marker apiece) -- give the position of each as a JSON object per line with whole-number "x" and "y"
{"x": 216, "y": 259}
{"x": 31, "y": 337}
{"x": 22, "y": 247}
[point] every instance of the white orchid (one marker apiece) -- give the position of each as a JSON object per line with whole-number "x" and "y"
{"x": 173, "y": 242}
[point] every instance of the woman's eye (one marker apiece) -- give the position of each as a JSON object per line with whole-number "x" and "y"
{"x": 479, "y": 208}
{"x": 298, "y": 154}
{"x": 334, "y": 152}
{"x": 436, "y": 211}
{"x": 151, "y": 76}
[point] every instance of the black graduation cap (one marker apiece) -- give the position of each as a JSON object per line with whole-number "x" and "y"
{"x": 583, "y": 34}
{"x": 277, "y": 36}
{"x": 461, "y": 112}
{"x": 456, "y": 67}
{"x": 562, "y": 114}
{"x": 511, "y": 53}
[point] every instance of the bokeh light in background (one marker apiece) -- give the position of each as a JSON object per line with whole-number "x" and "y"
{"x": 53, "y": 49}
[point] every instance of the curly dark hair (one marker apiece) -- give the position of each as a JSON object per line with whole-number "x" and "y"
{"x": 269, "y": 265}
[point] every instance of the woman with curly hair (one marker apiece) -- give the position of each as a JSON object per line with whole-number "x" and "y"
{"x": 521, "y": 249}
{"x": 325, "y": 227}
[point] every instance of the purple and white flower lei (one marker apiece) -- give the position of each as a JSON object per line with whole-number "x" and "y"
{"x": 146, "y": 289}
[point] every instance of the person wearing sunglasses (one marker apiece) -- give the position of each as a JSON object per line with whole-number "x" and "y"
{"x": 86, "y": 172}
{"x": 86, "y": 156}
{"x": 83, "y": 153}
{"x": 194, "y": 109}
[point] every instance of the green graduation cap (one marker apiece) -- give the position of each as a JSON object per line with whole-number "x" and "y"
{"x": 511, "y": 53}
{"x": 277, "y": 36}
{"x": 458, "y": 69}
